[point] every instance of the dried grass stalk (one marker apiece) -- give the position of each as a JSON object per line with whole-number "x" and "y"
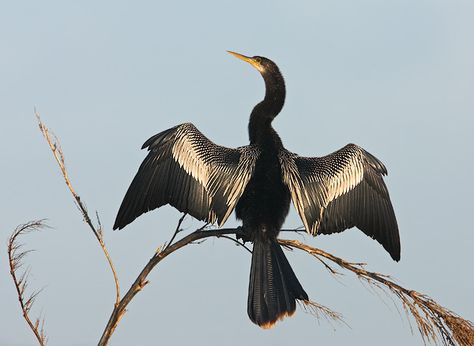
{"x": 321, "y": 312}
{"x": 16, "y": 254}
{"x": 435, "y": 323}
{"x": 55, "y": 147}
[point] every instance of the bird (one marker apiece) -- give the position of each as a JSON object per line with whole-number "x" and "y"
{"x": 331, "y": 193}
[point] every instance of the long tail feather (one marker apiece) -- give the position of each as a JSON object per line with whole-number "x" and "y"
{"x": 273, "y": 287}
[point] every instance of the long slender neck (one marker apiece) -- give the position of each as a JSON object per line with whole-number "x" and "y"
{"x": 260, "y": 129}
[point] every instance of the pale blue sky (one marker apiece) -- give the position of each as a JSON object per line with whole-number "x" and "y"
{"x": 394, "y": 77}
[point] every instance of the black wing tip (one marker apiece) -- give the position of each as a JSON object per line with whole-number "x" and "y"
{"x": 121, "y": 221}
{"x": 118, "y": 225}
{"x": 394, "y": 250}
{"x": 395, "y": 256}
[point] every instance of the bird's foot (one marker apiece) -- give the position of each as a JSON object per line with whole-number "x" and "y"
{"x": 241, "y": 233}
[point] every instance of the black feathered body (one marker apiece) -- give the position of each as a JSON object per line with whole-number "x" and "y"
{"x": 265, "y": 201}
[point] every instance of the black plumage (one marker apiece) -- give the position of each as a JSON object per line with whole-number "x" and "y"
{"x": 331, "y": 193}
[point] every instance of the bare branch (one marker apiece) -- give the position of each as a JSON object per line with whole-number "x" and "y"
{"x": 435, "y": 323}
{"x": 15, "y": 256}
{"x": 55, "y": 147}
{"x": 141, "y": 281}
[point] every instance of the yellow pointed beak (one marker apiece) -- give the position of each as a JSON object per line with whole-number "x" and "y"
{"x": 248, "y": 59}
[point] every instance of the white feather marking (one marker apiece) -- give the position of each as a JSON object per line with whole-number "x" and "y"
{"x": 351, "y": 175}
{"x": 184, "y": 152}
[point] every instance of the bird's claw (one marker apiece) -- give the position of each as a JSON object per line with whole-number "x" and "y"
{"x": 242, "y": 234}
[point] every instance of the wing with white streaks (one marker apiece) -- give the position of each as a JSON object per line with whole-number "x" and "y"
{"x": 340, "y": 191}
{"x": 188, "y": 171}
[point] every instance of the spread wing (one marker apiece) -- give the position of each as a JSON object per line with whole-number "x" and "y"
{"x": 191, "y": 173}
{"x": 340, "y": 191}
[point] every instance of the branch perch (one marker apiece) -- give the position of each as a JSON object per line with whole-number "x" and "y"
{"x": 141, "y": 281}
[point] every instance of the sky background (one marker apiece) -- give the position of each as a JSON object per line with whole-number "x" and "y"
{"x": 396, "y": 78}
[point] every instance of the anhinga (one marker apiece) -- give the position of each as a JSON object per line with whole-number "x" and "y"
{"x": 331, "y": 193}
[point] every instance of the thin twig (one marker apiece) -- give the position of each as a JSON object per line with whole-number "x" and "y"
{"x": 177, "y": 230}
{"x": 55, "y": 147}
{"x": 238, "y": 243}
{"x": 15, "y": 257}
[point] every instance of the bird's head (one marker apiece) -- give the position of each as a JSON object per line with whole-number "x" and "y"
{"x": 264, "y": 65}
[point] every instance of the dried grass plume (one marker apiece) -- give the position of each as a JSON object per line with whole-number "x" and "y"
{"x": 16, "y": 255}
{"x": 435, "y": 323}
